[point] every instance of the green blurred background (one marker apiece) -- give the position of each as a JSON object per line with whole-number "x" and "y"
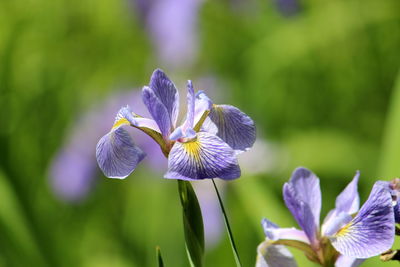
{"x": 320, "y": 79}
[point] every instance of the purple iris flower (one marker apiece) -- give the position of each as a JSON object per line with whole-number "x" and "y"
{"x": 204, "y": 146}
{"x": 343, "y": 239}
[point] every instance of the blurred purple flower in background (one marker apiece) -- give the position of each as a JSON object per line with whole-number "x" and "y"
{"x": 287, "y": 7}
{"x": 342, "y": 240}
{"x": 172, "y": 25}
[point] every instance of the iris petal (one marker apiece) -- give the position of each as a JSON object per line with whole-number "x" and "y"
{"x": 371, "y": 232}
{"x": 234, "y": 127}
{"x": 166, "y": 92}
{"x": 273, "y": 232}
{"x": 157, "y": 110}
{"x": 269, "y": 255}
{"x": 206, "y": 156}
{"x": 344, "y": 261}
{"x": 302, "y": 196}
{"x": 117, "y": 155}
{"x": 347, "y": 203}
{"x": 203, "y": 106}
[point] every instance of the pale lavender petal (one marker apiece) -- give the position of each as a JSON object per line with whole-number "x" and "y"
{"x": 134, "y": 120}
{"x": 348, "y": 202}
{"x": 189, "y": 123}
{"x": 273, "y": 232}
{"x": 157, "y": 110}
{"x": 166, "y": 92}
{"x": 335, "y": 222}
{"x": 234, "y": 127}
{"x": 202, "y": 104}
{"x": 371, "y": 232}
{"x": 186, "y": 130}
{"x": 117, "y": 155}
{"x": 302, "y": 196}
{"x": 207, "y": 156}
{"x": 344, "y": 261}
{"x": 179, "y": 133}
{"x": 269, "y": 255}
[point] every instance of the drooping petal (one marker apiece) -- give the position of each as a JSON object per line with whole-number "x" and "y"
{"x": 165, "y": 90}
{"x": 371, "y": 232}
{"x": 347, "y": 202}
{"x": 206, "y": 156}
{"x": 273, "y": 232}
{"x": 157, "y": 110}
{"x": 302, "y": 196}
{"x": 117, "y": 155}
{"x": 234, "y": 127}
{"x": 269, "y": 255}
{"x": 344, "y": 261}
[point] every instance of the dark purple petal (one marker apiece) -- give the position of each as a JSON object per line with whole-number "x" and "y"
{"x": 371, "y": 232}
{"x": 344, "y": 261}
{"x": 234, "y": 127}
{"x": 117, "y": 155}
{"x": 206, "y": 156}
{"x": 269, "y": 255}
{"x": 157, "y": 110}
{"x": 165, "y": 90}
{"x": 302, "y": 196}
{"x": 396, "y": 210}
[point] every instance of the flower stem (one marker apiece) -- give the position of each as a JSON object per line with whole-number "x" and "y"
{"x": 228, "y": 227}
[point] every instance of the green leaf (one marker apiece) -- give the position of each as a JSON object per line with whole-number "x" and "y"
{"x": 192, "y": 224}
{"x": 228, "y": 227}
{"x": 159, "y": 257}
{"x": 389, "y": 163}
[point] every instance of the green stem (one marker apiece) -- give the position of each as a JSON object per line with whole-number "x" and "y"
{"x": 228, "y": 227}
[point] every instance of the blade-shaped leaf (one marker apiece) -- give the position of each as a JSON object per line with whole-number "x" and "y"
{"x": 192, "y": 223}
